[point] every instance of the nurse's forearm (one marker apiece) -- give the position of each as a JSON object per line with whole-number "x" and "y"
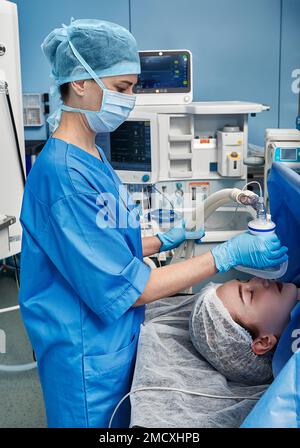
{"x": 171, "y": 279}
{"x": 151, "y": 245}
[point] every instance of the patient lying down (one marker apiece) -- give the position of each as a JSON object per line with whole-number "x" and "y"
{"x": 235, "y": 326}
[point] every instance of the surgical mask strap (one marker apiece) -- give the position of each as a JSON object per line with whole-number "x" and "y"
{"x": 87, "y": 67}
{"x": 55, "y": 117}
{"x": 76, "y": 109}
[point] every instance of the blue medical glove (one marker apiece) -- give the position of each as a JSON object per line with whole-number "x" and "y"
{"x": 257, "y": 252}
{"x": 174, "y": 237}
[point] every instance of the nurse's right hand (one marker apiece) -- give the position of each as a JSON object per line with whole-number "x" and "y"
{"x": 257, "y": 252}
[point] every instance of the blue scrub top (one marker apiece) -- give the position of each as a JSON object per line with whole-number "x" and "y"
{"x": 79, "y": 280}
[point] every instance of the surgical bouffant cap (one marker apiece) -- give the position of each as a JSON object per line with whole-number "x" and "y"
{"x": 225, "y": 344}
{"x": 108, "y": 48}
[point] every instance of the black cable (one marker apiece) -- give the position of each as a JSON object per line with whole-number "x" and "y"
{"x": 12, "y": 118}
{"x": 17, "y": 271}
{"x": 163, "y": 195}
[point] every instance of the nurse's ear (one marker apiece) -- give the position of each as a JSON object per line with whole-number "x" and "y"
{"x": 78, "y": 87}
{"x": 85, "y": 94}
{"x": 263, "y": 344}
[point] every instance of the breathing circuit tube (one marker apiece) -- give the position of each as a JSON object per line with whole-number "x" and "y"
{"x": 20, "y": 367}
{"x": 208, "y": 207}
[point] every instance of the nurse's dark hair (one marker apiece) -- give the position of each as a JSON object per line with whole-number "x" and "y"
{"x": 64, "y": 90}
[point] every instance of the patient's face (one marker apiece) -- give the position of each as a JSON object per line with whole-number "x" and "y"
{"x": 261, "y": 305}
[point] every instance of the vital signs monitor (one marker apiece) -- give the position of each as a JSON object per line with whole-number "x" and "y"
{"x": 131, "y": 149}
{"x": 166, "y": 78}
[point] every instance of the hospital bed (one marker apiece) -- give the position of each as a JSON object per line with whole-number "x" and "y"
{"x": 166, "y": 358}
{"x": 173, "y": 386}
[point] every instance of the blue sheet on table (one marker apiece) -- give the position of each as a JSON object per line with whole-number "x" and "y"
{"x": 280, "y": 405}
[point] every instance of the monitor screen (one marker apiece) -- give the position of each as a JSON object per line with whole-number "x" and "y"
{"x": 289, "y": 154}
{"x": 128, "y": 147}
{"x": 164, "y": 72}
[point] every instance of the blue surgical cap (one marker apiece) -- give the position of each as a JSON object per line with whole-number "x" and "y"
{"x": 108, "y": 48}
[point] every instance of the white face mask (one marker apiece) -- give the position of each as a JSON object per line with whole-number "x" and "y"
{"x": 115, "y": 106}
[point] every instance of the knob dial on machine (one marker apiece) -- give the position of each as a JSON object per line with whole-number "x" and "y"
{"x": 145, "y": 178}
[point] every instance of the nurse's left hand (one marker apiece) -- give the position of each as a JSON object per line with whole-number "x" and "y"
{"x": 174, "y": 237}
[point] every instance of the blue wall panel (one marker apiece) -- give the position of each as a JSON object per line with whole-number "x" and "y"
{"x": 37, "y": 18}
{"x": 235, "y": 44}
{"x": 290, "y": 62}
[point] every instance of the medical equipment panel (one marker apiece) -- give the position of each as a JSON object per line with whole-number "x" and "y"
{"x": 182, "y": 141}
{"x": 230, "y": 151}
{"x": 285, "y": 152}
{"x": 166, "y": 77}
{"x": 12, "y": 153}
{"x": 184, "y": 168}
{"x": 131, "y": 149}
{"x": 131, "y": 146}
{"x": 187, "y": 143}
{"x": 287, "y": 155}
{"x": 283, "y": 146}
{"x": 33, "y": 113}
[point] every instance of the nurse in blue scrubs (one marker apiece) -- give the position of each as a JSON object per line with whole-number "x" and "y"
{"x": 84, "y": 284}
